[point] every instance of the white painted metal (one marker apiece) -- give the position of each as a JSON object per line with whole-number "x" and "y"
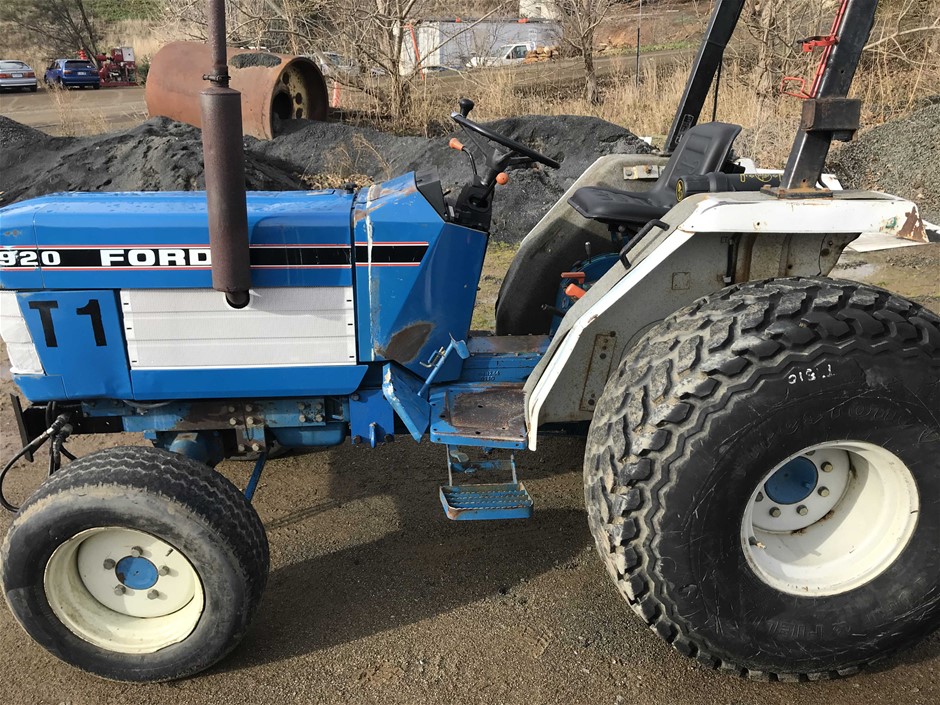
{"x": 280, "y": 327}
{"x": 850, "y": 212}
{"x": 82, "y": 590}
{"x": 857, "y": 538}
{"x": 24, "y": 359}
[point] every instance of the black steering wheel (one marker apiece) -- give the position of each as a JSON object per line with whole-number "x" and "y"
{"x": 507, "y": 142}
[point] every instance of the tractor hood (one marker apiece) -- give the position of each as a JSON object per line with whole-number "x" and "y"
{"x": 161, "y": 240}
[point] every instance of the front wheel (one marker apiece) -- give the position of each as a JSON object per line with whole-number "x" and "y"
{"x": 762, "y": 477}
{"x": 136, "y": 564}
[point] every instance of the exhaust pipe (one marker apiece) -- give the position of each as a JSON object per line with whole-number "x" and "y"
{"x": 224, "y": 162}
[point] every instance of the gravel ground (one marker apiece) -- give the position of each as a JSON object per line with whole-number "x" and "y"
{"x": 901, "y": 157}
{"x": 162, "y": 155}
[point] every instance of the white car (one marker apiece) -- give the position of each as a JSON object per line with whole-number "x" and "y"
{"x": 16, "y": 75}
{"x": 506, "y": 55}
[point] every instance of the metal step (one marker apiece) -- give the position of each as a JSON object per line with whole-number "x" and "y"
{"x": 475, "y": 415}
{"x": 491, "y": 501}
{"x": 479, "y": 502}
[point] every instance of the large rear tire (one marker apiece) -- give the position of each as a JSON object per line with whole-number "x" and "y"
{"x": 136, "y": 564}
{"x": 762, "y": 477}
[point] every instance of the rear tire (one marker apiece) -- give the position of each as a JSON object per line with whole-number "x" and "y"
{"x": 136, "y": 564}
{"x": 703, "y": 433}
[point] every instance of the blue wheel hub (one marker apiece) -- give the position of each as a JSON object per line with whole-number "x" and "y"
{"x": 792, "y": 483}
{"x": 137, "y": 573}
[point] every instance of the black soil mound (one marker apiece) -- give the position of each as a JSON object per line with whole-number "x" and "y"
{"x": 900, "y": 157}
{"x": 162, "y": 155}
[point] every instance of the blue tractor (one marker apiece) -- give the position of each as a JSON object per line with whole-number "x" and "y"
{"x": 761, "y": 468}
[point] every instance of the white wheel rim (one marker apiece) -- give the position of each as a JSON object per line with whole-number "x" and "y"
{"x": 123, "y": 590}
{"x": 858, "y": 513}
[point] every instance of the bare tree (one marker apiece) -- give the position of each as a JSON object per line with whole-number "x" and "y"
{"x": 63, "y": 25}
{"x": 579, "y": 20}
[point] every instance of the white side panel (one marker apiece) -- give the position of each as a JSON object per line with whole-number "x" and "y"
{"x": 281, "y": 327}
{"x": 24, "y": 360}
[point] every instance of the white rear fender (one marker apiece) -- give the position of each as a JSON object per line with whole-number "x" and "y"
{"x": 713, "y": 240}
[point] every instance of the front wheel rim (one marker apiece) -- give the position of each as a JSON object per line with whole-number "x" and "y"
{"x": 123, "y": 590}
{"x": 830, "y": 518}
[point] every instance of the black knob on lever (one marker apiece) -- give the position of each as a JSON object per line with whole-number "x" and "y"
{"x": 466, "y": 105}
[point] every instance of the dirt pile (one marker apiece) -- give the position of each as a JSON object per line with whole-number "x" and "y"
{"x": 899, "y": 157}
{"x": 162, "y": 155}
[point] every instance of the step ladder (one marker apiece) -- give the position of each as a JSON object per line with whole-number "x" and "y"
{"x": 481, "y": 502}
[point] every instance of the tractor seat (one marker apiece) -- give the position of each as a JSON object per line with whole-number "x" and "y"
{"x": 703, "y": 148}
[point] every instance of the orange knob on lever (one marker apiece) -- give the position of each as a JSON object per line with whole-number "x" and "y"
{"x": 502, "y": 178}
{"x": 455, "y": 144}
{"x": 574, "y": 291}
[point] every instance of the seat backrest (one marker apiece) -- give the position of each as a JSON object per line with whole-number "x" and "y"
{"x": 702, "y": 149}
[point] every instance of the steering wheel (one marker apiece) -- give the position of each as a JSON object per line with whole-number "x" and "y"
{"x": 507, "y": 142}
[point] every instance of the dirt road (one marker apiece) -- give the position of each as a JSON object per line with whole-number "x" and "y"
{"x": 375, "y": 597}
{"x": 85, "y": 109}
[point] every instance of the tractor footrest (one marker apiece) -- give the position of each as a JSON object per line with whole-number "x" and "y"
{"x": 508, "y": 500}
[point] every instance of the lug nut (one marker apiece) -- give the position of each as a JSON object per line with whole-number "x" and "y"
{"x": 233, "y": 421}
{"x": 256, "y": 447}
{"x": 823, "y": 491}
{"x": 108, "y": 564}
{"x": 302, "y": 418}
{"x": 802, "y": 510}
{"x": 137, "y": 551}
{"x": 164, "y": 570}
{"x": 775, "y": 512}
{"x": 119, "y": 589}
{"x": 250, "y": 421}
{"x": 153, "y": 595}
{"x": 826, "y": 467}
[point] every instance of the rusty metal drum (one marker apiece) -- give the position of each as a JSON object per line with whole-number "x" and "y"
{"x": 274, "y": 87}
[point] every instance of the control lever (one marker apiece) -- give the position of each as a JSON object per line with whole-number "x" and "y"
{"x": 466, "y": 105}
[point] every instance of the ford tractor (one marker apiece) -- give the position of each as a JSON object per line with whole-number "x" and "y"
{"x": 762, "y": 461}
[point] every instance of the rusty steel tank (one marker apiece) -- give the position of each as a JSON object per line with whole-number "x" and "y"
{"x": 274, "y": 87}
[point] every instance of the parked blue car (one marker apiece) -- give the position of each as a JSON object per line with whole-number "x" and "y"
{"x": 72, "y": 73}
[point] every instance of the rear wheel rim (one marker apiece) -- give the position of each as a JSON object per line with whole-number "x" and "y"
{"x": 830, "y": 518}
{"x": 123, "y": 590}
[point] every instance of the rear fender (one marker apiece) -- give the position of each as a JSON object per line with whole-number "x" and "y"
{"x": 713, "y": 240}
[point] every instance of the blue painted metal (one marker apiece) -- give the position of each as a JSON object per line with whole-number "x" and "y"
{"x": 792, "y": 483}
{"x": 443, "y": 432}
{"x": 329, "y": 434}
{"x": 255, "y": 477}
{"x": 407, "y": 310}
{"x": 483, "y": 501}
{"x": 220, "y": 383}
{"x": 202, "y": 446}
{"x": 370, "y": 416}
{"x": 486, "y": 502}
{"x": 502, "y": 359}
{"x": 401, "y": 390}
{"x": 132, "y": 234}
{"x": 76, "y": 332}
{"x": 439, "y": 359}
{"x": 136, "y": 572}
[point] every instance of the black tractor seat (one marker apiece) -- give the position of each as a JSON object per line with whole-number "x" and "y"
{"x": 703, "y": 148}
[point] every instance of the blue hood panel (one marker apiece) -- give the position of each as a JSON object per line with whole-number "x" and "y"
{"x": 161, "y": 240}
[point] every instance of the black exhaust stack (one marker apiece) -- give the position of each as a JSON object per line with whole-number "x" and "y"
{"x": 224, "y": 162}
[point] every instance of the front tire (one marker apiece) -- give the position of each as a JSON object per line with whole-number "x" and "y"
{"x": 136, "y": 564}
{"x": 762, "y": 477}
